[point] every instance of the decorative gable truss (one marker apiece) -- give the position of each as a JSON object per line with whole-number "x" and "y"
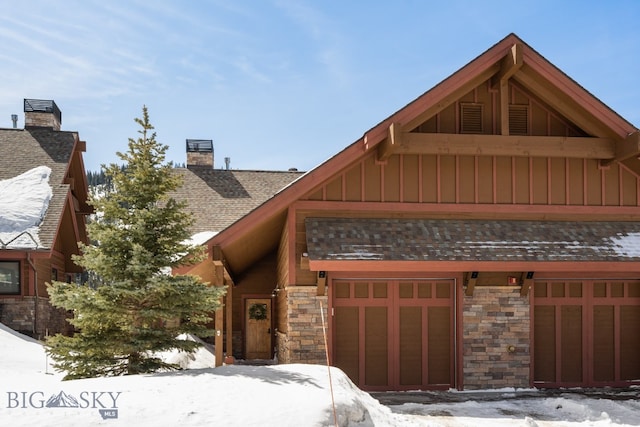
{"x": 511, "y": 103}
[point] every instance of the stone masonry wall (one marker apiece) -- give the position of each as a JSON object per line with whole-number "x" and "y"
{"x": 496, "y": 338}
{"x": 18, "y": 314}
{"x": 304, "y": 340}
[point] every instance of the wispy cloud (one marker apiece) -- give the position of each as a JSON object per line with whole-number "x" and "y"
{"x": 329, "y": 42}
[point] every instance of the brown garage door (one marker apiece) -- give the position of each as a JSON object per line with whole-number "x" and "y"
{"x": 394, "y": 334}
{"x": 586, "y": 333}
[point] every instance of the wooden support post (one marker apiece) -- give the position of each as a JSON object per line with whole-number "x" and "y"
{"x": 219, "y": 314}
{"x": 213, "y": 272}
{"x": 504, "y": 107}
{"x": 229, "y": 324}
{"x": 509, "y": 65}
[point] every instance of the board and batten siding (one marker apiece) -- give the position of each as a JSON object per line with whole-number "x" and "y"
{"x": 413, "y": 178}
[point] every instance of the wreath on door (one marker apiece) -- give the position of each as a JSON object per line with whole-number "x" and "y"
{"x": 258, "y": 311}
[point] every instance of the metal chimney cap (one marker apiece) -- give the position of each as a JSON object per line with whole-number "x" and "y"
{"x": 42, "y": 106}
{"x": 199, "y": 146}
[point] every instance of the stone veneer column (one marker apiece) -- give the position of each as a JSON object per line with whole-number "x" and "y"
{"x": 304, "y": 341}
{"x": 496, "y": 339}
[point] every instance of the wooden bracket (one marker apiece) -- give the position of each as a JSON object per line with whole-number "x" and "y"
{"x": 509, "y": 65}
{"x": 390, "y": 144}
{"x": 304, "y": 261}
{"x": 321, "y": 282}
{"x": 526, "y": 283}
{"x": 470, "y": 282}
{"x": 624, "y": 149}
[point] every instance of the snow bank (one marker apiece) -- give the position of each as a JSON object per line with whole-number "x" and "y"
{"x": 203, "y": 357}
{"x": 243, "y": 395}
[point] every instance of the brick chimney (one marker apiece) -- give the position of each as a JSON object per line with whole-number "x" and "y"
{"x": 200, "y": 153}
{"x": 42, "y": 114}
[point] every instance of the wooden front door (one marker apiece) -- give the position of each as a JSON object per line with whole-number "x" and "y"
{"x": 258, "y": 328}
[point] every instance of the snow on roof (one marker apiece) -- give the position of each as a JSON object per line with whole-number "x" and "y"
{"x": 201, "y": 238}
{"x": 24, "y": 200}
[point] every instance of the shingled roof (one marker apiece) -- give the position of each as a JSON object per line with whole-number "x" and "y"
{"x": 219, "y": 197}
{"x": 393, "y": 239}
{"x": 24, "y": 149}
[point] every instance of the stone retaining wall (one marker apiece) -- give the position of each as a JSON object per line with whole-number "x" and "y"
{"x": 19, "y": 314}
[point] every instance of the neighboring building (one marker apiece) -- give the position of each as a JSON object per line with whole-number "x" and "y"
{"x": 486, "y": 235}
{"x": 39, "y": 249}
{"x": 219, "y": 197}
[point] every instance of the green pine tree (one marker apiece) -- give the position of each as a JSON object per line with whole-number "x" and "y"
{"x": 139, "y": 309}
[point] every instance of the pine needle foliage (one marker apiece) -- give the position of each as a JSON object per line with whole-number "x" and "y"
{"x": 139, "y": 309}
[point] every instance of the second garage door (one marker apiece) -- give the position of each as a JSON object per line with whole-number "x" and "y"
{"x": 586, "y": 333}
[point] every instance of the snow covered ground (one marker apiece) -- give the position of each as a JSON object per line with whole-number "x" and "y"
{"x": 242, "y": 395}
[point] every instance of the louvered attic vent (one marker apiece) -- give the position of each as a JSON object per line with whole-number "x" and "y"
{"x": 518, "y": 119}
{"x": 471, "y": 118}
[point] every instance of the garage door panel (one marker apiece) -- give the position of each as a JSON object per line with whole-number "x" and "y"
{"x": 346, "y": 355}
{"x": 603, "y": 343}
{"x": 545, "y": 343}
{"x": 630, "y": 343}
{"x": 571, "y": 344}
{"x": 376, "y": 341}
{"x": 439, "y": 344}
{"x": 410, "y": 346}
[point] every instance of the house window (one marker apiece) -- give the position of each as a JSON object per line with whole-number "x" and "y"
{"x": 9, "y": 277}
{"x": 54, "y": 274}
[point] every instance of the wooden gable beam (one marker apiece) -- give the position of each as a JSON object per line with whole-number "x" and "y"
{"x": 506, "y": 145}
{"x": 509, "y": 65}
{"x": 564, "y": 104}
{"x": 452, "y": 97}
{"x": 393, "y": 140}
{"x": 504, "y": 107}
{"x": 626, "y": 148}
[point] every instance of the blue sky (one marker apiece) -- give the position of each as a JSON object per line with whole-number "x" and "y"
{"x": 283, "y": 83}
